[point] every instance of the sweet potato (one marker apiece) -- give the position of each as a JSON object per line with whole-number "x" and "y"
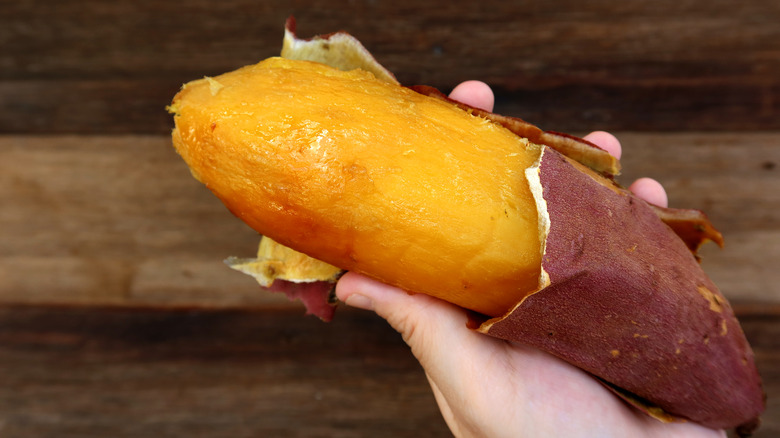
{"x": 523, "y": 226}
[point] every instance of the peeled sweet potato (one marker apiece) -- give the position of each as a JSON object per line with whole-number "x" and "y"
{"x": 341, "y": 163}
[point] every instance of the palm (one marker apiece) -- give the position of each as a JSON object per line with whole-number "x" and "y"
{"x": 490, "y": 387}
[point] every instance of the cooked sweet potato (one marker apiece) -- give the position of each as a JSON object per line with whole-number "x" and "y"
{"x": 487, "y": 212}
{"x": 370, "y": 177}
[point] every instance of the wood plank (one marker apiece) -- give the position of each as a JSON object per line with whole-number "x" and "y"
{"x": 118, "y": 220}
{"x": 733, "y": 176}
{"x": 115, "y": 221}
{"x": 145, "y": 38}
{"x": 133, "y": 106}
{"x": 124, "y": 373}
{"x": 120, "y": 373}
{"x": 95, "y": 67}
{"x": 109, "y": 106}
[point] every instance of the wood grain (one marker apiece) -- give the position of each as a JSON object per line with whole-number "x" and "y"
{"x": 94, "y": 67}
{"x": 118, "y": 220}
{"x": 117, "y": 317}
{"x": 125, "y": 373}
{"x": 115, "y": 221}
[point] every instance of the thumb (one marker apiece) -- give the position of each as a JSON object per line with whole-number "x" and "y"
{"x": 459, "y": 363}
{"x": 432, "y": 328}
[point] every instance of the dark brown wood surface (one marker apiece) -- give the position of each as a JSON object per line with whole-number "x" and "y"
{"x": 117, "y": 317}
{"x": 82, "y": 372}
{"x": 90, "y": 66}
{"x": 118, "y": 220}
{"x": 128, "y": 373}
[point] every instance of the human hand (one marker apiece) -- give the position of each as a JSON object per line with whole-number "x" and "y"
{"x": 487, "y": 387}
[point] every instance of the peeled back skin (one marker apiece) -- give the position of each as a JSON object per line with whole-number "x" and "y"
{"x": 425, "y": 194}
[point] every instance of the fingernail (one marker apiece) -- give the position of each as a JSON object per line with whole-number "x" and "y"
{"x": 360, "y": 302}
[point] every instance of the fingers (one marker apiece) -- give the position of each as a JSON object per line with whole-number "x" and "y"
{"x": 606, "y": 141}
{"x": 428, "y": 325}
{"x": 475, "y": 93}
{"x": 399, "y": 308}
{"x": 651, "y": 191}
{"x": 478, "y": 94}
{"x": 645, "y": 188}
{"x": 453, "y": 357}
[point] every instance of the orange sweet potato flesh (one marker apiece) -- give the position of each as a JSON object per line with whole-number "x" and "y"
{"x": 370, "y": 177}
{"x": 435, "y": 197}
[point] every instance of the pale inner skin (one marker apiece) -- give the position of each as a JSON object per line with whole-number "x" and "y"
{"x": 369, "y": 176}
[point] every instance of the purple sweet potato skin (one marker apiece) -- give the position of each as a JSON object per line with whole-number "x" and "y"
{"x": 629, "y": 303}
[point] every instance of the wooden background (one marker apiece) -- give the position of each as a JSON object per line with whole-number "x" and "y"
{"x": 117, "y": 317}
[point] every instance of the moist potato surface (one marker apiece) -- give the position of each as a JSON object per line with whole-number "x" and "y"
{"x": 368, "y": 176}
